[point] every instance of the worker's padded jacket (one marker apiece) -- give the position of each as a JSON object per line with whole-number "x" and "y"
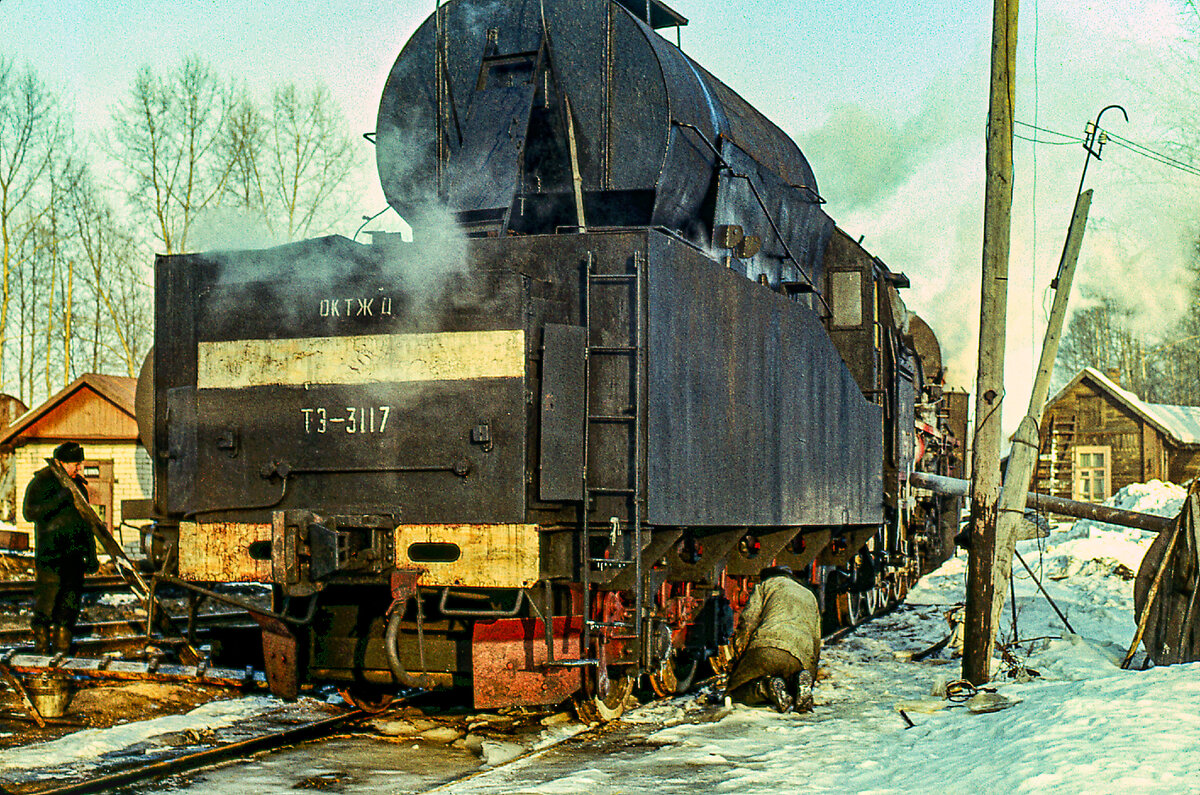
{"x": 63, "y": 535}
{"x": 782, "y": 614}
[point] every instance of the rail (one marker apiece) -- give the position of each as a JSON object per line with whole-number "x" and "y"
{"x": 210, "y": 756}
{"x": 110, "y": 669}
{"x": 25, "y": 587}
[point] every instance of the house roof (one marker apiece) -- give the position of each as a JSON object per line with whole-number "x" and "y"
{"x": 1181, "y": 423}
{"x": 117, "y": 390}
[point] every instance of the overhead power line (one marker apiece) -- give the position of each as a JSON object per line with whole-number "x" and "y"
{"x": 1151, "y": 154}
{"x": 1116, "y": 140}
{"x": 1070, "y": 139}
{"x": 1049, "y": 143}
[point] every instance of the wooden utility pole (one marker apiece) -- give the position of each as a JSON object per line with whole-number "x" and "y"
{"x": 979, "y": 629}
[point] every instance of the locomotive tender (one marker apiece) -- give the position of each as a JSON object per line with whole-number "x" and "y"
{"x": 625, "y": 362}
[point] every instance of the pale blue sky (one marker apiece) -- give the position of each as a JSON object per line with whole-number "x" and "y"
{"x": 772, "y": 51}
{"x": 887, "y": 98}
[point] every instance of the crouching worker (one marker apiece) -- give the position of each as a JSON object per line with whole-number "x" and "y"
{"x": 65, "y": 551}
{"x": 777, "y": 643}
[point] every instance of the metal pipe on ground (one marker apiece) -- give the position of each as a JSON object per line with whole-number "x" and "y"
{"x": 957, "y": 487}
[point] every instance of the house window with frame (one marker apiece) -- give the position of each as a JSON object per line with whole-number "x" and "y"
{"x": 1093, "y": 466}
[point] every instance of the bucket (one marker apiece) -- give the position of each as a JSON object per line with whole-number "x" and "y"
{"x": 50, "y": 693}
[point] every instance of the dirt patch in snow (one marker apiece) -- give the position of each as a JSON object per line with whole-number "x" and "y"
{"x": 104, "y": 704}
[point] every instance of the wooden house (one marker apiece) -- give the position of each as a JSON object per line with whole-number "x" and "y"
{"x": 97, "y": 411}
{"x": 1097, "y": 438}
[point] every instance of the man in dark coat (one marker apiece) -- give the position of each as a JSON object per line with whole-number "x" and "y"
{"x": 778, "y": 641}
{"x": 65, "y": 550}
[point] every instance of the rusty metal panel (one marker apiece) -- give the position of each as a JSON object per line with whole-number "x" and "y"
{"x": 482, "y": 556}
{"x": 753, "y": 418}
{"x": 14, "y": 540}
{"x": 280, "y": 657}
{"x": 220, "y": 552}
{"x": 509, "y": 657}
{"x": 564, "y": 409}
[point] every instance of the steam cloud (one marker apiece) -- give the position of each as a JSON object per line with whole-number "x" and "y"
{"x": 914, "y": 186}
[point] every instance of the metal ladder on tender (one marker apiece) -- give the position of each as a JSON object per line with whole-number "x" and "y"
{"x": 625, "y": 542}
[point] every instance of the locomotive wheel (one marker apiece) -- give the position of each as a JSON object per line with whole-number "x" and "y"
{"x": 672, "y": 678}
{"x": 604, "y": 695}
{"x": 849, "y": 609}
{"x": 368, "y": 700}
{"x": 881, "y": 597}
{"x": 875, "y": 599}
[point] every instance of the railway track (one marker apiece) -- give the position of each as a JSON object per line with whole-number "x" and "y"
{"x": 119, "y": 628}
{"x": 223, "y": 760}
{"x": 91, "y": 583}
{"x": 209, "y": 756}
{"x": 101, "y": 637}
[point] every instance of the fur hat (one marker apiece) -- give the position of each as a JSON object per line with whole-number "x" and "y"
{"x": 775, "y": 571}
{"x": 69, "y": 453}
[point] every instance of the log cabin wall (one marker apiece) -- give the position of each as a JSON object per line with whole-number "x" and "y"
{"x": 1096, "y": 439}
{"x": 1185, "y": 465}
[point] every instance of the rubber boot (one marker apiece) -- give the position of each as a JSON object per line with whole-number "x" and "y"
{"x": 804, "y": 694}
{"x": 773, "y": 690}
{"x": 62, "y": 639}
{"x": 41, "y": 640}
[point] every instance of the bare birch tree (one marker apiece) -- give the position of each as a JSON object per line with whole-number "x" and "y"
{"x": 290, "y": 166}
{"x": 168, "y": 140}
{"x": 120, "y": 307}
{"x": 311, "y": 158}
{"x": 30, "y": 131}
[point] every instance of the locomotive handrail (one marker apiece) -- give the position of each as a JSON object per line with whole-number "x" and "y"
{"x": 233, "y": 600}
{"x": 282, "y": 493}
{"x": 479, "y": 613}
{"x": 461, "y": 468}
{"x": 762, "y": 205}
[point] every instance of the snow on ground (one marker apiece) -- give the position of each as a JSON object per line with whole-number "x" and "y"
{"x": 67, "y": 756}
{"x": 1083, "y": 725}
{"x": 1080, "y": 725}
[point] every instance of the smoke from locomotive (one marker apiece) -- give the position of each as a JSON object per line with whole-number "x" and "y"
{"x": 649, "y": 366}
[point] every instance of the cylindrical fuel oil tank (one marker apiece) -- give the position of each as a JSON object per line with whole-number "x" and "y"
{"x": 482, "y": 84}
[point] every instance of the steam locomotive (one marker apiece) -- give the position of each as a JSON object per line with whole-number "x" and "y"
{"x": 543, "y": 448}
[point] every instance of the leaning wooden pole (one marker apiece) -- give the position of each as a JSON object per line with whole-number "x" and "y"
{"x": 989, "y": 383}
{"x": 1022, "y": 461}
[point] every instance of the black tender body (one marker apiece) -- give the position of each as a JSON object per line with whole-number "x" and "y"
{"x": 626, "y": 361}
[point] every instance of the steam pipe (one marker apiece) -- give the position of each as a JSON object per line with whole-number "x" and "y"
{"x": 956, "y": 487}
{"x": 393, "y": 655}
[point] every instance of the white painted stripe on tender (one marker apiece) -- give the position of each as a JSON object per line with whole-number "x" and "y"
{"x": 364, "y": 359}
